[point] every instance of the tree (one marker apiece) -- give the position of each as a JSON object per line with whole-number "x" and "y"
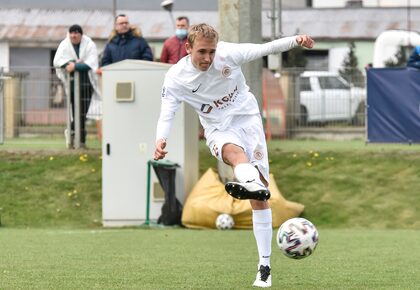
{"x": 400, "y": 58}
{"x": 350, "y": 70}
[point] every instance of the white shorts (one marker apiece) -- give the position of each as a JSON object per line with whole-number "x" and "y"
{"x": 247, "y": 132}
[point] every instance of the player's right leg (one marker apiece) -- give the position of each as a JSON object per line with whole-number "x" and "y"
{"x": 249, "y": 185}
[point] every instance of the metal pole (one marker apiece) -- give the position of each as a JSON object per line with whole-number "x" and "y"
{"x": 76, "y": 90}
{"x": 1, "y": 109}
{"x": 280, "y": 33}
{"x": 147, "y": 222}
{"x": 114, "y": 8}
{"x": 408, "y": 22}
{"x": 273, "y": 19}
{"x": 172, "y": 19}
{"x": 67, "y": 132}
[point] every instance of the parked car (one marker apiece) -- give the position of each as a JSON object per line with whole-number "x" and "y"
{"x": 326, "y": 96}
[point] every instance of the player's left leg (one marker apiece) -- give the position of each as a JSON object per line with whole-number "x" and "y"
{"x": 247, "y": 175}
{"x": 263, "y": 232}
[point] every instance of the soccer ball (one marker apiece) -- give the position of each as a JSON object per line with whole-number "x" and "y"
{"x": 297, "y": 238}
{"x": 224, "y": 222}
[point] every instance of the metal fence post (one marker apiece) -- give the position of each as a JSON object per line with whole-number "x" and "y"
{"x": 1, "y": 108}
{"x": 76, "y": 90}
{"x": 69, "y": 115}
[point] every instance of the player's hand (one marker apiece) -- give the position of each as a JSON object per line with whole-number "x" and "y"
{"x": 305, "y": 41}
{"x": 160, "y": 153}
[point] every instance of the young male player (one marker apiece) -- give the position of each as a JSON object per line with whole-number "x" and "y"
{"x": 211, "y": 81}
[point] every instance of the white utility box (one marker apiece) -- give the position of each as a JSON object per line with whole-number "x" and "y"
{"x": 131, "y": 93}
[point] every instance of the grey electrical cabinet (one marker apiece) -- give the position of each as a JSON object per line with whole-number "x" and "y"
{"x": 131, "y": 93}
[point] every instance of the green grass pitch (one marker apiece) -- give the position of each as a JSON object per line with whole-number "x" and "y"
{"x": 202, "y": 259}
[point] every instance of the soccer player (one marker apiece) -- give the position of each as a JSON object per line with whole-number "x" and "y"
{"x": 210, "y": 79}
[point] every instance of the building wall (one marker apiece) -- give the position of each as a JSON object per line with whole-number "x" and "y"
{"x": 366, "y": 3}
{"x": 35, "y": 64}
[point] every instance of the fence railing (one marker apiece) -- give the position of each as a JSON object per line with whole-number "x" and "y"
{"x": 34, "y": 103}
{"x": 314, "y": 103}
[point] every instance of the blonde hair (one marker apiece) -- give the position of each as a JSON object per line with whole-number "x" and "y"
{"x": 202, "y": 30}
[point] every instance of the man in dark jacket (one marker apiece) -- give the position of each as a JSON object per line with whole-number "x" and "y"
{"x": 125, "y": 42}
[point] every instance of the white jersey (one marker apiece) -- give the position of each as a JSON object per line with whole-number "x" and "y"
{"x": 218, "y": 94}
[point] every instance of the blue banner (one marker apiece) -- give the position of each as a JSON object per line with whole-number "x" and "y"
{"x": 393, "y": 105}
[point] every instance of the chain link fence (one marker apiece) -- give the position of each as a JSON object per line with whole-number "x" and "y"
{"x": 296, "y": 104}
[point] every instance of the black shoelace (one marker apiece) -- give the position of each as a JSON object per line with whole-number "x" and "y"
{"x": 264, "y": 272}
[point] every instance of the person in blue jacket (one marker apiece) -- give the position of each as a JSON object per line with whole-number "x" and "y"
{"x": 125, "y": 42}
{"x": 414, "y": 59}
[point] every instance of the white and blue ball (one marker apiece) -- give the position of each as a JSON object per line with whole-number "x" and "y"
{"x": 297, "y": 238}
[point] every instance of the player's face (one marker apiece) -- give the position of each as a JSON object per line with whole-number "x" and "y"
{"x": 202, "y": 52}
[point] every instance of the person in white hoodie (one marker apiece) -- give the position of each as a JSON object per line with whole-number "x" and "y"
{"x": 77, "y": 52}
{"x": 210, "y": 79}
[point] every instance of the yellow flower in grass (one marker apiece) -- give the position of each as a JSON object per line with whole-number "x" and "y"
{"x": 294, "y": 155}
{"x": 309, "y": 164}
{"x": 93, "y": 170}
{"x": 69, "y": 194}
{"x": 316, "y": 155}
{"x": 51, "y": 158}
{"x": 83, "y": 158}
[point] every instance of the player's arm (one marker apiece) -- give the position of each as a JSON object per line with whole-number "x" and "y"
{"x": 246, "y": 52}
{"x": 169, "y": 106}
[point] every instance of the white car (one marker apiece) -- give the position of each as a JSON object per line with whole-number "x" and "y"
{"x": 326, "y": 96}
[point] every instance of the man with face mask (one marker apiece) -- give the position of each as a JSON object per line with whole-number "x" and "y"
{"x": 174, "y": 47}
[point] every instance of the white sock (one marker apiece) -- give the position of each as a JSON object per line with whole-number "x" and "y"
{"x": 245, "y": 172}
{"x": 263, "y": 232}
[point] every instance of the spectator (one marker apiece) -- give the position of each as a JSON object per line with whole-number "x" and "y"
{"x": 174, "y": 47}
{"x": 77, "y": 52}
{"x": 414, "y": 59}
{"x": 125, "y": 42}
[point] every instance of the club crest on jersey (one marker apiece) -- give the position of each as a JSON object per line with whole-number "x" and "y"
{"x": 226, "y": 71}
{"x": 258, "y": 154}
